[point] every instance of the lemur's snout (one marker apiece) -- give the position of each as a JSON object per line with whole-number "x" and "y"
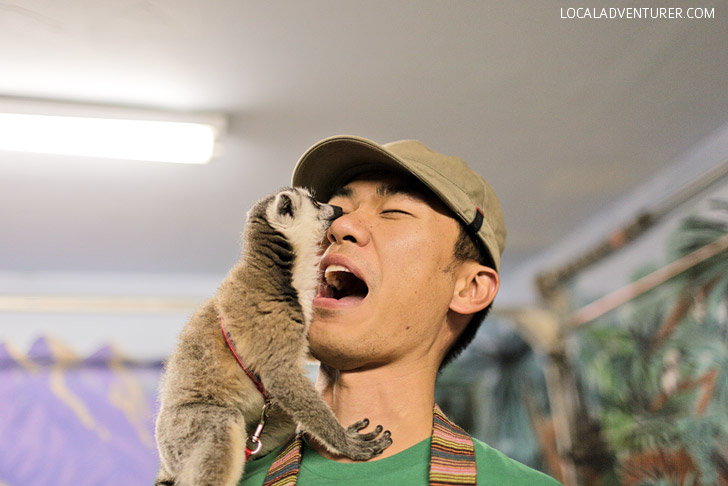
{"x": 337, "y": 211}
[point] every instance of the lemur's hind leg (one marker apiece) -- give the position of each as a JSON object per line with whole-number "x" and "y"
{"x": 204, "y": 445}
{"x": 164, "y": 478}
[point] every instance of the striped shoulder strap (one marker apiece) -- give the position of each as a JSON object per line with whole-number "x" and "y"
{"x": 452, "y": 457}
{"x": 452, "y": 454}
{"x": 284, "y": 470}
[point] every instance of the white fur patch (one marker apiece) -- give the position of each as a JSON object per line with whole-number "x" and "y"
{"x": 304, "y": 231}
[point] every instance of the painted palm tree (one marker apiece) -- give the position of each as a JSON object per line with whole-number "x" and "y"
{"x": 495, "y": 390}
{"x": 657, "y": 370}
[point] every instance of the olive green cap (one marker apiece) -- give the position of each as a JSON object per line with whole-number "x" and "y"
{"x": 334, "y": 161}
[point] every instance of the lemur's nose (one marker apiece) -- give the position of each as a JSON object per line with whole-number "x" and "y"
{"x": 337, "y": 212}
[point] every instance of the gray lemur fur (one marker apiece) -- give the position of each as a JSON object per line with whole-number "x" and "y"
{"x": 208, "y": 405}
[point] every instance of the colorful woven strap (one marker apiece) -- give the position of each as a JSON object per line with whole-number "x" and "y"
{"x": 452, "y": 454}
{"x": 284, "y": 470}
{"x": 452, "y": 457}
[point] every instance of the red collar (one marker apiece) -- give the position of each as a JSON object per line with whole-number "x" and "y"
{"x": 253, "y": 377}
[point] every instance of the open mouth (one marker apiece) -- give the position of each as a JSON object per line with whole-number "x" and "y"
{"x": 341, "y": 284}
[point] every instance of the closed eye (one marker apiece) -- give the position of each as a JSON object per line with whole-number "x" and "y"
{"x": 394, "y": 211}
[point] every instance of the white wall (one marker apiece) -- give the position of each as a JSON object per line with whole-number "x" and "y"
{"x": 517, "y": 288}
{"x": 121, "y": 312}
{"x": 151, "y": 334}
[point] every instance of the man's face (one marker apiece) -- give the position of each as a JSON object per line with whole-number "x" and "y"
{"x": 388, "y": 283}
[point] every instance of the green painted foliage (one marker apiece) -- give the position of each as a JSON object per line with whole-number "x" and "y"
{"x": 657, "y": 369}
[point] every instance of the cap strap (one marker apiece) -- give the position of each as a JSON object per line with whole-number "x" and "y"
{"x": 477, "y": 222}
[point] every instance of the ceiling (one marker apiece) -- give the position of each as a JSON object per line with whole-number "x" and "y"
{"x": 562, "y": 116}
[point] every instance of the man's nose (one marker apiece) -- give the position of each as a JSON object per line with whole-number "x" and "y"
{"x": 350, "y": 227}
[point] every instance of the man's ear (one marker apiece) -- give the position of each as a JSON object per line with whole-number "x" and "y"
{"x": 475, "y": 287}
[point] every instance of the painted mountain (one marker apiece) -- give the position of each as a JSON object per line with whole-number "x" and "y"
{"x": 71, "y": 421}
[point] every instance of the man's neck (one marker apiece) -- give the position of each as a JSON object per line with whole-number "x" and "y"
{"x": 398, "y": 398}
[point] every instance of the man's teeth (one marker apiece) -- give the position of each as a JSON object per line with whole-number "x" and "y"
{"x": 330, "y": 274}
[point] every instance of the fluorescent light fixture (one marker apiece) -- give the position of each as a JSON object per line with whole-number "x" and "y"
{"x": 107, "y": 132}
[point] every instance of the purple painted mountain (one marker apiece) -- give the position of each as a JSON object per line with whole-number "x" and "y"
{"x": 71, "y": 421}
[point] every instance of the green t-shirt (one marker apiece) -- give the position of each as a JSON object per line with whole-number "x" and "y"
{"x": 409, "y": 467}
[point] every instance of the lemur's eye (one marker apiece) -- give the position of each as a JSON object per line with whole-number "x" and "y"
{"x": 315, "y": 203}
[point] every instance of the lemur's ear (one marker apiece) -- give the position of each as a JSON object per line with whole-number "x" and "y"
{"x": 285, "y": 205}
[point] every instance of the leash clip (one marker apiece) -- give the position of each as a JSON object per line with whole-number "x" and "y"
{"x": 255, "y": 439}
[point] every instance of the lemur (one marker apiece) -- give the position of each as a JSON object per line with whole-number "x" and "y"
{"x": 208, "y": 406}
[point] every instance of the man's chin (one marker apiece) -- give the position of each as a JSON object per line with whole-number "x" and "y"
{"x": 332, "y": 361}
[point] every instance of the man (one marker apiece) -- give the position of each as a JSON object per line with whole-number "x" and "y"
{"x": 410, "y": 271}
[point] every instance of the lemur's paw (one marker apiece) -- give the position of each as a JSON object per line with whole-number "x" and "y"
{"x": 361, "y": 447}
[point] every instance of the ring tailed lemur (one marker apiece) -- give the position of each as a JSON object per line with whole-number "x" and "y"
{"x": 208, "y": 406}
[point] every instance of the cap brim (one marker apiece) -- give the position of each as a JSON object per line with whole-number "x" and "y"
{"x": 334, "y": 161}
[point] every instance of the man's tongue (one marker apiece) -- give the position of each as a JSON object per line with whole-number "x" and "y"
{"x": 344, "y": 285}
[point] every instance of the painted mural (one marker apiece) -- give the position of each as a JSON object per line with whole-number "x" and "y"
{"x": 648, "y": 378}
{"x": 65, "y": 420}
{"x": 655, "y": 370}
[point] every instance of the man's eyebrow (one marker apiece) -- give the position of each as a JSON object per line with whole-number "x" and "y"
{"x": 341, "y": 191}
{"x": 411, "y": 190}
{"x": 386, "y": 189}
